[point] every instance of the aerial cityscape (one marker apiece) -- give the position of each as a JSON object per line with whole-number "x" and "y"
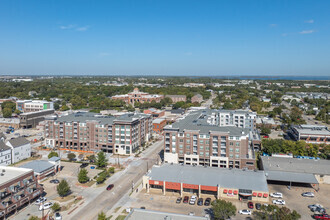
{"x": 164, "y": 110}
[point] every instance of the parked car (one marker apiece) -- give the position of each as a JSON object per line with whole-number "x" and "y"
{"x": 315, "y": 206}
{"x": 276, "y": 195}
{"x": 191, "y": 213}
{"x": 41, "y": 200}
{"x": 200, "y": 202}
{"x": 142, "y": 207}
{"x": 319, "y": 210}
{"x": 83, "y": 165}
{"x": 46, "y": 205}
{"x": 207, "y": 201}
{"x": 110, "y": 187}
{"x": 58, "y": 216}
{"x": 307, "y": 194}
{"x": 258, "y": 206}
{"x": 321, "y": 216}
{"x": 250, "y": 205}
{"x": 55, "y": 181}
{"x": 186, "y": 199}
{"x": 244, "y": 212}
{"x": 279, "y": 202}
{"x": 178, "y": 200}
{"x": 193, "y": 200}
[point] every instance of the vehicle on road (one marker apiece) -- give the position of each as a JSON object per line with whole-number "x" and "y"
{"x": 191, "y": 213}
{"x": 178, "y": 200}
{"x": 250, "y": 205}
{"x": 55, "y": 181}
{"x": 258, "y": 206}
{"x": 276, "y": 195}
{"x": 193, "y": 200}
{"x": 308, "y": 194}
{"x": 200, "y": 202}
{"x": 244, "y": 212}
{"x": 41, "y": 200}
{"x": 321, "y": 216}
{"x": 142, "y": 207}
{"x": 83, "y": 165}
{"x": 46, "y": 205}
{"x": 279, "y": 202}
{"x": 207, "y": 201}
{"x": 110, "y": 187}
{"x": 186, "y": 199}
{"x": 58, "y": 216}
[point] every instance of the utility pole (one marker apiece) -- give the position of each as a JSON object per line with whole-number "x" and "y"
{"x": 147, "y": 166}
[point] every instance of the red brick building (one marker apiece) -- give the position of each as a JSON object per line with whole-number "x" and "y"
{"x": 154, "y": 112}
{"x": 158, "y": 125}
{"x": 137, "y": 96}
{"x": 197, "y": 98}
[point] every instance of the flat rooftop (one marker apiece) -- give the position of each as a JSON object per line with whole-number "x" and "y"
{"x": 143, "y": 214}
{"x": 312, "y": 129}
{"x": 210, "y": 176}
{"x": 38, "y": 166}
{"x": 12, "y": 173}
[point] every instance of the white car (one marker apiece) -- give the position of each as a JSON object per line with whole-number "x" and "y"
{"x": 244, "y": 212}
{"x": 276, "y": 195}
{"x": 307, "y": 194}
{"x": 41, "y": 200}
{"x": 193, "y": 200}
{"x": 46, "y": 205}
{"x": 279, "y": 202}
{"x": 58, "y": 216}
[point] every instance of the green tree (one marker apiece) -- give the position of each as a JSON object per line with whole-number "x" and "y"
{"x": 17, "y": 111}
{"x": 265, "y": 130}
{"x": 82, "y": 176}
{"x": 6, "y": 112}
{"x": 111, "y": 170}
{"x": 64, "y": 108}
{"x": 71, "y": 156}
{"x": 223, "y": 209}
{"x": 101, "y": 178}
{"x": 101, "y": 216}
{"x": 63, "y": 188}
{"x": 276, "y": 213}
{"x": 101, "y": 160}
{"x": 56, "y": 207}
{"x": 52, "y": 154}
{"x": 91, "y": 158}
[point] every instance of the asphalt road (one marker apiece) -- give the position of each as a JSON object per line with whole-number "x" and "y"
{"x": 105, "y": 200}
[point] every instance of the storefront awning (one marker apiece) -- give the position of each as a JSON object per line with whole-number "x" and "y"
{"x": 245, "y": 194}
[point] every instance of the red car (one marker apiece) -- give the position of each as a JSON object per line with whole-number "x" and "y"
{"x": 110, "y": 187}
{"x": 186, "y": 199}
{"x": 321, "y": 216}
{"x": 250, "y": 205}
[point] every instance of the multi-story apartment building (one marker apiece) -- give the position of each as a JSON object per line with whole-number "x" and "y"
{"x": 195, "y": 141}
{"x": 88, "y": 132}
{"x": 137, "y": 96}
{"x": 311, "y": 134}
{"x": 33, "y": 105}
{"x": 18, "y": 187}
{"x": 5, "y": 154}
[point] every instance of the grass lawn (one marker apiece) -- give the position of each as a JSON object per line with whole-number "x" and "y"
{"x": 121, "y": 217}
{"x": 64, "y": 199}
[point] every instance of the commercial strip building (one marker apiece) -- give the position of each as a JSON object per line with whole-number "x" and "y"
{"x": 18, "y": 188}
{"x": 44, "y": 168}
{"x": 34, "y": 105}
{"x": 137, "y": 96}
{"x": 32, "y": 119}
{"x": 207, "y": 181}
{"x": 90, "y": 132}
{"x": 296, "y": 170}
{"x": 311, "y": 134}
{"x": 138, "y": 214}
{"x": 193, "y": 140}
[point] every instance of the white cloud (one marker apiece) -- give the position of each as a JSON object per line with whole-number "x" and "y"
{"x": 67, "y": 27}
{"x": 307, "y": 32}
{"x": 84, "y": 28}
{"x": 310, "y": 21}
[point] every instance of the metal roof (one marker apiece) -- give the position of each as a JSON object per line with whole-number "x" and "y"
{"x": 291, "y": 177}
{"x": 210, "y": 176}
{"x": 54, "y": 159}
{"x": 143, "y": 214}
{"x": 17, "y": 142}
{"x": 296, "y": 165}
{"x": 38, "y": 166}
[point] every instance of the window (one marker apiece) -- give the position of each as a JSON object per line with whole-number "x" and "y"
{"x": 237, "y": 150}
{"x": 237, "y": 144}
{"x": 180, "y": 146}
{"x": 207, "y": 136}
{"x": 207, "y": 154}
{"x": 188, "y": 141}
{"x": 181, "y": 140}
{"x": 188, "y": 147}
{"x": 201, "y": 153}
{"x": 201, "y": 141}
{"x": 237, "y": 138}
{"x": 207, "y": 148}
{"x": 231, "y": 143}
{"x": 187, "y": 135}
{"x": 237, "y": 156}
{"x": 207, "y": 142}
{"x": 201, "y": 147}
{"x": 231, "y": 137}
{"x": 231, "y": 156}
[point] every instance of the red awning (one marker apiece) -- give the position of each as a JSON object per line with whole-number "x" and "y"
{"x": 265, "y": 195}
{"x": 259, "y": 194}
{"x": 235, "y": 192}
{"x": 230, "y": 192}
{"x": 254, "y": 194}
{"x": 224, "y": 191}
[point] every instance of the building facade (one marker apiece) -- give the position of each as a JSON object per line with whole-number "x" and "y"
{"x": 194, "y": 141}
{"x": 137, "y": 96}
{"x": 20, "y": 148}
{"x": 238, "y": 118}
{"x": 154, "y": 112}
{"x": 177, "y": 98}
{"x": 33, "y": 105}
{"x": 311, "y": 134}
{"x": 88, "y": 132}
{"x": 18, "y": 188}
{"x": 158, "y": 125}
{"x": 5, "y": 154}
{"x": 197, "y": 98}
{"x": 32, "y": 119}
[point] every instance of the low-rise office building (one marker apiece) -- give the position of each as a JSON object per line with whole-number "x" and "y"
{"x": 20, "y": 148}
{"x": 18, "y": 188}
{"x": 193, "y": 140}
{"x": 32, "y": 119}
{"x": 90, "y": 132}
{"x": 137, "y": 96}
{"x": 33, "y": 105}
{"x": 44, "y": 168}
{"x": 311, "y": 134}
{"x": 207, "y": 182}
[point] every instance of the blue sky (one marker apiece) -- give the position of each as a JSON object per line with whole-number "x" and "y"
{"x": 168, "y": 37}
